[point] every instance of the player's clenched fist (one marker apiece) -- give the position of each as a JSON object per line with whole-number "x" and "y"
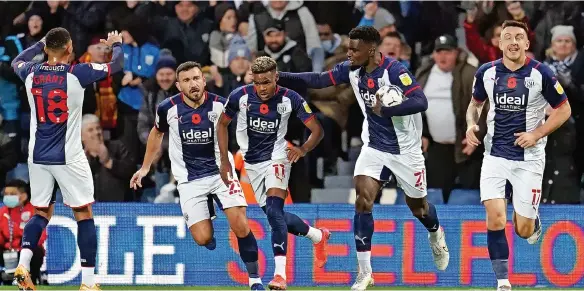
{"x": 471, "y": 136}
{"x": 295, "y": 153}
{"x": 225, "y": 171}
{"x": 112, "y": 37}
{"x": 136, "y": 181}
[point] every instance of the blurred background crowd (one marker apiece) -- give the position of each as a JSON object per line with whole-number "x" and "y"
{"x": 442, "y": 43}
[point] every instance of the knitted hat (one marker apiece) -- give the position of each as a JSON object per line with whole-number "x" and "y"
{"x": 220, "y": 11}
{"x": 165, "y": 60}
{"x": 238, "y": 48}
{"x": 563, "y": 30}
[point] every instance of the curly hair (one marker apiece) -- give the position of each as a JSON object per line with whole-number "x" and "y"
{"x": 57, "y": 38}
{"x": 263, "y": 64}
{"x": 366, "y": 34}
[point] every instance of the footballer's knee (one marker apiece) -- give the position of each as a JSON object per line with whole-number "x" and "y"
{"x": 367, "y": 189}
{"x": 202, "y": 232}
{"x": 496, "y": 214}
{"x": 524, "y": 227}
{"x": 364, "y": 202}
{"x": 238, "y": 221}
{"x": 418, "y": 206}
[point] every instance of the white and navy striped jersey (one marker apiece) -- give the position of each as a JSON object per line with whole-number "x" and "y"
{"x": 517, "y": 104}
{"x": 262, "y": 125}
{"x": 193, "y": 148}
{"x": 55, "y": 95}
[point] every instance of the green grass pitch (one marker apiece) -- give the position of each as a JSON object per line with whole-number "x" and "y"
{"x": 40, "y": 288}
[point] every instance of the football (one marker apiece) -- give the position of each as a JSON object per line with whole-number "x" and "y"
{"x": 390, "y": 95}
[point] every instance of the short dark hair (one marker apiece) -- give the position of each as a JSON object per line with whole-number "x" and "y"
{"x": 57, "y": 38}
{"x": 263, "y": 64}
{"x": 514, "y": 23}
{"x": 366, "y": 34}
{"x": 22, "y": 186}
{"x": 186, "y": 66}
{"x": 393, "y": 34}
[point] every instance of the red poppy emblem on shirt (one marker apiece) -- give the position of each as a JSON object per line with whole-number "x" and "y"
{"x": 264, "y": 109}
{"x": 196, "y": 119}
{"x": 370, "y": 84}
{"x": 511, "y": 83}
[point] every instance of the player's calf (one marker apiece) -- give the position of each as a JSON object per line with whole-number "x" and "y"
{"x": 275, "y": 213}
{"x": 527, "y": 228}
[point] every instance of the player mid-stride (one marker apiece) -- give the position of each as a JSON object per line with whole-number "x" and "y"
{"x": 191, "y": 120}
{"x": 392, "y": 141}
{"x": 263, "y": 110}
{"x": 518, "y": 89}
{"x": 55, "y": 95}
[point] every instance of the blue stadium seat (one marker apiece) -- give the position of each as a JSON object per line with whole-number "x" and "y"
{"x": 464, "y": 197}
{"x": 434, "y": 196}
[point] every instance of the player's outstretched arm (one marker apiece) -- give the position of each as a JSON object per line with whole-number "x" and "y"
{"x": 473, "y": 114}
{"x": 416, "y": 100}
{"x": 223, "y": 141}
{"x": 338, "y": 75}
{"x": 153, "y": 147}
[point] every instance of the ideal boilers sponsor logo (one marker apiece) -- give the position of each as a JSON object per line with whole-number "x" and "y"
{"x": 368, "y": 97}
{"x": 197, "y": 136}
{"x": 260, "y": 125}
{"x": 510, "y": 103}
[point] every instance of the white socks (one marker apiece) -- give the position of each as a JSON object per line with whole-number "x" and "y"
{"x": 364, "y": 259}
{"x": 25, "y": 257}
{"x": 254, "y": 281}
{"x": 503, "y": 282}
{"x": 314, "y": 234}
{"x": 88, "y": 276}
{"x": 280, "y": 266}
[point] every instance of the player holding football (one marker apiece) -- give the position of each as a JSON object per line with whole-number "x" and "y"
{"x": 518, "y": 89}
{"x": 191, "y": 120}
{"x": 392, "y": 141}
{"x": 263, "y": 110}
{"x": 55, "y": 95}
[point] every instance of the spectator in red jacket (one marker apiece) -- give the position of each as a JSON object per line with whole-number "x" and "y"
{"x": 14, "y": 215}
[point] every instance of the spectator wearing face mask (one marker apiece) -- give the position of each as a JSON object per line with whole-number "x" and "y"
{"x": 14, "y": 215}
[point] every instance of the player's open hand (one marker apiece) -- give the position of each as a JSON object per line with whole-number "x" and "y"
{"x": 136, "y": 181}
{"x": 471, "y": 137}
{"x": 112, "y": 37}
{"x": 295, "y": 153}
{"x": 526, "y": 139}
{"x": 225, "y": 172}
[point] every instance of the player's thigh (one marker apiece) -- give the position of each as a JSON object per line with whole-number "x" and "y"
{"x": 494, "y": 175}
{"x": 42, "y": 184}
{"x": 232, "y": 201}
{"x": 193, "y": 204}
{"x": 410, "y": 172}
{"x": 75, "y": 182}
{"x": 277, "y": 176}
{"x": 372, "y": 163}
{"x": 257, "y": 178}
{"x": 526, "y": 179}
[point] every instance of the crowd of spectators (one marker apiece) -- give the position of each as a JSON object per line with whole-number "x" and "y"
{"x": 442, "y": 43}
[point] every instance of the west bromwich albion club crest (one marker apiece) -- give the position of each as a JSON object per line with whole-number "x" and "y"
{"x": 381, "y": 82}
{"x": 529, "y": 83}
{"x": 212, "y": 116}
{"x": 282, "y": 108}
